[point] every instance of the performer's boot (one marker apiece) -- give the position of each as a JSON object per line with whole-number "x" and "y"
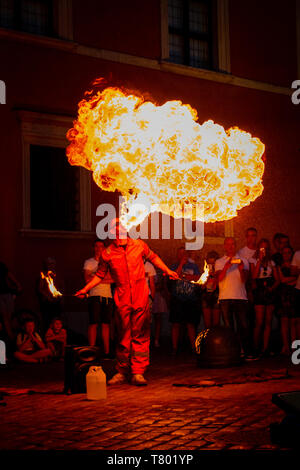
{"x": 138, "y": 379}
{"x": 117, "y": 379}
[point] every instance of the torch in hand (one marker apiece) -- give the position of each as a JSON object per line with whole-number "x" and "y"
{"x": 172, "y": 275}
{"x": 81, "y": 294}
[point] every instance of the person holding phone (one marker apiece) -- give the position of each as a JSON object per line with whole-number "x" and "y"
{"x": 265, "y": 274}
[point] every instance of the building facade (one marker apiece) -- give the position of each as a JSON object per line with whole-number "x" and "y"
{"x": 233, "y": 61}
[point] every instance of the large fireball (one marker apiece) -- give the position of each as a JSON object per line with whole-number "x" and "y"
{"x": 161, "y": 156}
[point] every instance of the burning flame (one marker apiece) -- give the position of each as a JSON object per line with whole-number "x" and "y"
{"x": 204, "y": 276}
{"x": 161, "y": 158}
{"x": 50, "y": 283}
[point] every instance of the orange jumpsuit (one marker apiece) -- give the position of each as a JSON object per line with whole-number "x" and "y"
{"x": 126, "y": 267}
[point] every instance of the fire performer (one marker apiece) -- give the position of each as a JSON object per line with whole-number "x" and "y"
{"x": 124, "y": 259}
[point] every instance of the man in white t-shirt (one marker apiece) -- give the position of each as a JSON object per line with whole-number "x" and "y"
{"x": 232, "y": 271}
{"x": 249, "y": 249}
{"x": 100, "y": 301}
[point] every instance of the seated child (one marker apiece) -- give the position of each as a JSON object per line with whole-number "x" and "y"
{"x": 30, "y": 347}
{"x": 56, "y": 338}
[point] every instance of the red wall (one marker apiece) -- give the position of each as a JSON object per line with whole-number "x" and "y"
{"x": 263, "y": 40}
{"x": 132, "y": 27}
{"x": 262, "y": 34}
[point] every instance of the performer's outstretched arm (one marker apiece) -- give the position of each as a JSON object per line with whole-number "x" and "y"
{"x": 100, "y": 274}
{"x": 93, "y": 282}
{"x": 158, "y": 262}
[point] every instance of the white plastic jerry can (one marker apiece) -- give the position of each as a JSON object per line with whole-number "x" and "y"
{"x": 95, "y": 383}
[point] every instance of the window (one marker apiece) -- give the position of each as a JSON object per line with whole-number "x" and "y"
{"x": 54, "y": 190}
{"x": 190, "y": 32}
{"x": 56, "y": 195}
{"x": 52, "y": 18}
{"x": 31, "y": 16}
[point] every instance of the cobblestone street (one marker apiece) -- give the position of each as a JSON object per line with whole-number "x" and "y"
{"x": 232, "y": 411}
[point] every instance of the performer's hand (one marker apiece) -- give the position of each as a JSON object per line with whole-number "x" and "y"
{"x": 81, "y": 294}
{"x": 173, "y": 275}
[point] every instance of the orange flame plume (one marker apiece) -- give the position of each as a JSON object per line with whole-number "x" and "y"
{"x": 161, "y": 157}
{"x": 50, "y": 283}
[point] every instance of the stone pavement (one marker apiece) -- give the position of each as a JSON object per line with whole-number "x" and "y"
{"x": 160, "y": 416}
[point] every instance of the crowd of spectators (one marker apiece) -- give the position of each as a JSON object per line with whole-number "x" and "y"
{"x": 244, "y": 290}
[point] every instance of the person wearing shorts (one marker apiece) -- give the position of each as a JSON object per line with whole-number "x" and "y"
{"x": 100, "y": 301}
{"x": 210, "y": 294}
{"x": 287, "y": 309}
{"x": 232, "y": 272}
{"x": 266, "y": 276}
{"x": 184, "y": 300}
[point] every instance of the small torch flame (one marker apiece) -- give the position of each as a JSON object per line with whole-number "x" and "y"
{"x": 204, "y": 276}
{"x": 50, "y": 283}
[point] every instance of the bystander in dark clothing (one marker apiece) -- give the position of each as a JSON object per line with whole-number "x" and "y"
{"x": 184, "y": 300}
{"x": 9, "y": 288}
{"x": 280, "y": 240}
{"x": 265, "y": 274}
{"x": 288, "y": 301}
{"x": 210, "y": 294}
